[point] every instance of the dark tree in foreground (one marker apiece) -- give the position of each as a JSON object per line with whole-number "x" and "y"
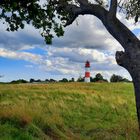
{"x": 55, "y": 14}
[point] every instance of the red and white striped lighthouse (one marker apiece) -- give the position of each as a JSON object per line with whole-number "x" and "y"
{"x": 87, "y": 72}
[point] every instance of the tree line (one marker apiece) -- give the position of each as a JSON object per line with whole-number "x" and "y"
{"x": 98, "y": 78}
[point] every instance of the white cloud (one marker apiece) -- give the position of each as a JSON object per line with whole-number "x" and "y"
{"x": 87, "y": 41}
{"x": 20, "y": 55}
{"x": 90, "y": 33}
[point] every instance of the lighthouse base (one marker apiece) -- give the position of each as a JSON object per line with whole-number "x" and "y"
{"x": 87, "y": 80}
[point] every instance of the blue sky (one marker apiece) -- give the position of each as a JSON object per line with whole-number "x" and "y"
{"x": 24, "y": 54}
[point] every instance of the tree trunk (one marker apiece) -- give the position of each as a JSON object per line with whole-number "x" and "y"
{"x": 137, "y": 96}
{"x": 130, "y": 60}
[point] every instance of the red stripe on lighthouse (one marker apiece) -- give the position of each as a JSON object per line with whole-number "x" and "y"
{"x": 87, "y": 71}
{"x": 87, "y": 64}
{"x": 87, "y": 74}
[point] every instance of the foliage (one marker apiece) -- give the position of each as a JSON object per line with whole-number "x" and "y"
{"x": 118, "y": 78}
{"x": 19, "y": 81}
{"x": 51, "y": 17}
{"x": 71, "y": 111}
{"x": 52, "y": 80}
{"x": 72, "y": 80}
{"x": 80, "y": 79}
{"x": 32, "y": 80}
{"x": 19, "y": 13}
{"x": 98, "y": 78}
{"x": 64, "y": 80}
{"x": 131, "y": 9}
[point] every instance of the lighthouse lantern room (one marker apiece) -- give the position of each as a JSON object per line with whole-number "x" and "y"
{"x": 87, "y": 72}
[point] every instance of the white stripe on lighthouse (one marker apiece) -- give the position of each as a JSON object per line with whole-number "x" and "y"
{"x": 87, "y": 72}
{"x": 87, "y": 80}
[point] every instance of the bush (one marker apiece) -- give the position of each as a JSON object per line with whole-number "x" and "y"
{"x": 19, "y": 81}
{"x": 118, "y": 78}
{"x": 98, "y": 78}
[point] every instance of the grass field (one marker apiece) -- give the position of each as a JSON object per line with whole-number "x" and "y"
{"x": 68, "y": 111}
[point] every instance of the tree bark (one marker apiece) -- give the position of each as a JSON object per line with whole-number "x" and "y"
{"x": 130, "y": 61}
{"x": 130, "y": 58}
{"x": 137, "y": 96}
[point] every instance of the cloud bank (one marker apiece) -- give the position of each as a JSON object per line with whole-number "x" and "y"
{"x": 88, "y": 40}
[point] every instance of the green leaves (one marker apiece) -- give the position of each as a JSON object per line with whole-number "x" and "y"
{"x": 45, "y": 17}
{"x": 48, "y": 39}
{"x": 51, "y": 17}
{"x": 58, "y": 30}
{"x": 131, "y": 8}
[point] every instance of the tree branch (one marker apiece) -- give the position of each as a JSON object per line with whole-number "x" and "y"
{"x": 117, "y": 29}
{"x": 73, "y": 11}
{"x": 70, "y": 20}
{"x": 91, "y": 9}
{"x": 83, "y": 2}
{"x": 120, "y": 32}
{"x": 113, "y": 8}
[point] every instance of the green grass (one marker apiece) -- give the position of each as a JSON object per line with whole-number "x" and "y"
{"x": 68, "y": 111}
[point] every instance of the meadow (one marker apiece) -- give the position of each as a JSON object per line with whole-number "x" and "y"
{"x": 68, "y": 111}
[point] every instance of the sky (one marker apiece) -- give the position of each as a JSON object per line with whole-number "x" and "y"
{"x": 24, "y": 54}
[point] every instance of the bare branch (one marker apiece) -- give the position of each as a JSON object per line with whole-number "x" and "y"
{"x": 113, "y": 8}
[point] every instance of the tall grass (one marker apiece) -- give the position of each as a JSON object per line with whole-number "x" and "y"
{"x": 68, "y": 111}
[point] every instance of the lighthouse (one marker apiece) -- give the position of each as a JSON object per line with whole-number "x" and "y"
{"x": 87, "y": 72}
